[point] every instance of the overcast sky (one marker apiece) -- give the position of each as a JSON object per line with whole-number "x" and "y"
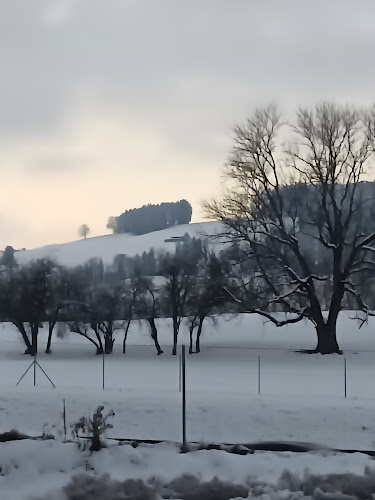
{"x": 106, "y": 105}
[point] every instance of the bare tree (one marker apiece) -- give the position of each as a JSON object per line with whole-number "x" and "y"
{"x": 178, "y": 274}
{"x": 64, "y": 290}
{"x": 54, "y": 302}
{"x": 83, "y": 231}
{"x": 81, "y": 327}
{"x": 210, "y": 291}
{"x": 129, "y": 297}
{"x": 105, "y": 312}
{"x": 11, "y": 303}
{"x": 82, "y": 318}
{"x": 24, "y": 295}
{"x": 292, "y": 208}
{"x": 148, "y": 306}
{"x": 97, "y": 312}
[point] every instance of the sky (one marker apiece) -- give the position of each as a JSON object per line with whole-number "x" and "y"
{"x": 106, "y": 105}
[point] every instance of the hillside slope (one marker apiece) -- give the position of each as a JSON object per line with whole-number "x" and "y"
{"x": 107, "y": 247}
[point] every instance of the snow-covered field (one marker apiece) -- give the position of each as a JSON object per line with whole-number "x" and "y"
{"x": 108, "y": 246}
{"x": 301, "y": 396}
{"x": 302, "y": 399}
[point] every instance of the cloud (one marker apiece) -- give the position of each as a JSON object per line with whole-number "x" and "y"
{"x": 146, "y": 93}
{"x": 133, "y": 56}
{"x": 56, "y": 12}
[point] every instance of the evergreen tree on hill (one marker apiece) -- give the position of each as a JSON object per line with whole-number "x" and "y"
{"x": 150, "y": 218}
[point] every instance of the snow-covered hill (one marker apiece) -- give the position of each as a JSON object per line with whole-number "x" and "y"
{"x": 108, "y": 246}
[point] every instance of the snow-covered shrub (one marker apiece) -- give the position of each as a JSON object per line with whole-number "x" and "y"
{"x": 104, "y": 488}
{"x": 190, "y": 488}
{"x": 186, "y": 487}
{"x": 94, "y": 427}
{"x": 353, "y": 486}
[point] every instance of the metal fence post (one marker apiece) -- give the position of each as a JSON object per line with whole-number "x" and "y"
{"x": 103, "y": 366}
{"x": 64, "y": 419}
{"x": 259, "y": 374}
{"x": 179, "y": 374}
{"x": 34, "y": 368}
{"x": 183, "y": 366}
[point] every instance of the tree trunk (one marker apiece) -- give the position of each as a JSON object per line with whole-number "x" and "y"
{"x": 34, "y": 336}
{"x": 96, "y": 444}
{"x": 99, "y": 345}
{"x": 108, "y": 339}
{"x": 154, "y": 335}
{"x": 108, "y": 344}
{"x": 21, "y": 328}
{"x": 191, "y": 330}
{"x": 175, "y": 335}
{"x": 197, "y": 342}
{"x": 327, "y": 341}
{"x": 126, "y": 336}
{"x": 51, "y": 326}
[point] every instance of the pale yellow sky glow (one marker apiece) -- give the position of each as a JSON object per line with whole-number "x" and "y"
{"x": 96, "y": 167}
{"x": 109, "y": 105}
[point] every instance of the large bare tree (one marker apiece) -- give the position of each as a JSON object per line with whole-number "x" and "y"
{"x": 298, "y": 203}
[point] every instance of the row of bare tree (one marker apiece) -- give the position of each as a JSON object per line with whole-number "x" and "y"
{"x": 45, "y": 293}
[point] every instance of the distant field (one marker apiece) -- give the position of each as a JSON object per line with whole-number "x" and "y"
{"x": 108, "y": 246}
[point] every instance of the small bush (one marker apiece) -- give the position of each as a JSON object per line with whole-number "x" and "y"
{"x": 94, "y": 427}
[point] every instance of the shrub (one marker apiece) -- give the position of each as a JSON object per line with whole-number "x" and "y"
{"x": 95, "y": 427}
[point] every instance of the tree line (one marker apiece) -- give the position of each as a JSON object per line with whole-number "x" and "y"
{"x": 150, "y": 218}
{"x": 96, "y": 302}
{"x": 188, "y": 285}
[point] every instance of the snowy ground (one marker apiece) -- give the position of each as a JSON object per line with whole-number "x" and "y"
{"x": 302, "y": 398}
{"x": 40, "y": 470}
{"x": 108, "y": 246}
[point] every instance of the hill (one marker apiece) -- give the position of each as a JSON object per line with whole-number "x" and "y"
{"x": 107, "y": 247}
